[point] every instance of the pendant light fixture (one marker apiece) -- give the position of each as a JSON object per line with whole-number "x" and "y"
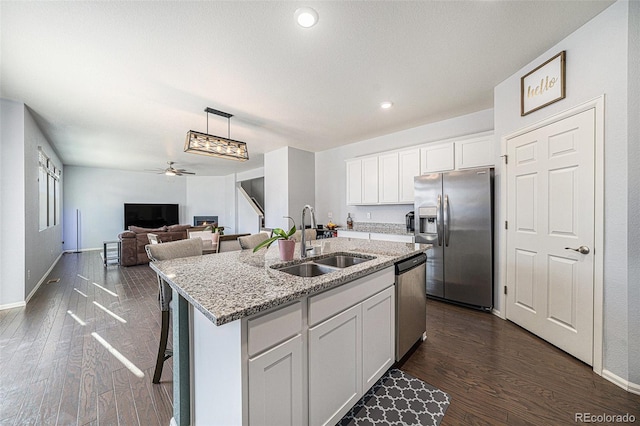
{"x": 216, "y": 146}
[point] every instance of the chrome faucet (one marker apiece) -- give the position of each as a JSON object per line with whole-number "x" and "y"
{"x": 303, "y": 243}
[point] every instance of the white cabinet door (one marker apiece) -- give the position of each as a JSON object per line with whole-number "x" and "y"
{"x": 370, "y": 180}
{"x": 276, "y": 393}
{"x": 354, "y": 182}
{"x": 335, "y": 366}
{"x": 476, "y": 152}
{"x": 388, "y": 178}
{"x": 378, "y": 336}
{"x": 437, "y": 158}
{"x": 409, "y": 164}
{"x": 392, "y": 237}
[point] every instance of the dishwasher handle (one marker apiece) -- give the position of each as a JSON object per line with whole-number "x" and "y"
{"x": 411, "y": 263}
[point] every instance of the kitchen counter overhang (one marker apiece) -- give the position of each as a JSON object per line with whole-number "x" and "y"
{"x": 229, "y": 286}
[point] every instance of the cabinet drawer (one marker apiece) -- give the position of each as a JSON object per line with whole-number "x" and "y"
{"x": 274, "y": 327}
{"x": 331, "y": 302}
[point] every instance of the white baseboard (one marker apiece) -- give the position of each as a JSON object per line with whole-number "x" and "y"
{"x": 497, "y": 313}
{"x": 46, "y": 274}
{"x": 13, "y": 305}
{"x": 619, "y": 381}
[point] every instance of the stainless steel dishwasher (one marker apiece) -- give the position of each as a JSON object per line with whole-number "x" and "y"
{"x": 411, "y": 303}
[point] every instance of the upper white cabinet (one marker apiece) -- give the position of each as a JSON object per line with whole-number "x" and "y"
{"x": 437, "y": 158}
{"x": 370, "y": 180}
{"x": 388, "y": 178}
{"x": 354, "y": 181}
{"x": 362, "y": 181}
{"x": 409, "y": 164}
{"x": 476, "y": 152}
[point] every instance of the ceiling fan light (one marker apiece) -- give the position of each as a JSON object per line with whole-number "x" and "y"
{"x": 170, "y": 173}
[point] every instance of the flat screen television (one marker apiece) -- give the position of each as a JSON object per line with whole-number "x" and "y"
{"x": 150, "y": 215}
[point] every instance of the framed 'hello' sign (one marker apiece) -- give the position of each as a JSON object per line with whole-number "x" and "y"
{"x": 543, "y": 86}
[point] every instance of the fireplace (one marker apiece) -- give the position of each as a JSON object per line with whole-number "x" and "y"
{"x": 205, "y": 220}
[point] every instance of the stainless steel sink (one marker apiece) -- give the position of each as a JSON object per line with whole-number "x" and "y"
{"x": 341, "y": 261}
{"x": 314, "y": 267}
{"x": 307, "y": 269}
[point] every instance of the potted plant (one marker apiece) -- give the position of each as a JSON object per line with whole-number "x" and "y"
{"x": 285, "y": 244}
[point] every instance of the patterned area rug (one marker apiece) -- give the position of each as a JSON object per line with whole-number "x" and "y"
{"x": 398, "y": 399}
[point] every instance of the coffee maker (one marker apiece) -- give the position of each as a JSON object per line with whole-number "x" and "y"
{"x": 410, "y": 220}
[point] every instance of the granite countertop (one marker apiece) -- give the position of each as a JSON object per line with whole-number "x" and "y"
{"x": 232, "y": 285}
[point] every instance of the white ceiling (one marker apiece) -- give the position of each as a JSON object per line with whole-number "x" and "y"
{"x": 119, "y": 84}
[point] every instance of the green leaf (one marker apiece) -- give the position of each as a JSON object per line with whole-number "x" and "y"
{"x": 278, "y": 234}
{"x": 266, "y": 243}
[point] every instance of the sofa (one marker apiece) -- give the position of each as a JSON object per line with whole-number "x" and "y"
{"x": 133, "y": 241}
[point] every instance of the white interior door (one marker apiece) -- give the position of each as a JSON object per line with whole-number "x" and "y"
{"x": 550, "y": 236}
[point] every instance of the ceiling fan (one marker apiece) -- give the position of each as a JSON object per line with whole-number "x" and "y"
{"x": 172, "y": 171}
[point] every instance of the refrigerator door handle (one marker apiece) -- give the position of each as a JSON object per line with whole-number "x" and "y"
{"x": 439, "y": 220}
{"x": 446, "y": 221}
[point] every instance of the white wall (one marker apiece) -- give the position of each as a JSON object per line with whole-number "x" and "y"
{"x": 331, "y": 168}
{"x": 26, "y": 253}
{"x": 276, "y": 188}
{"x": 596, "y": 64}
{"x": 231, "y": 203}
{"x": 42, "y": 248}
{"x": 100, "y": 195}
{"x": 301, "y": 184}
{"x": 289, "y": 182}
{"x": 205, "y": 197}
{"x": 12, "y": 203}
{"x": 633, "y": 191}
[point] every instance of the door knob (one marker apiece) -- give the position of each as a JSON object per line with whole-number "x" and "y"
{"x": 581, "y": 249}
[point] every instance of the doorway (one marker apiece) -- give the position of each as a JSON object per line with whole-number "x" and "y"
{"x": 552, "y": 263}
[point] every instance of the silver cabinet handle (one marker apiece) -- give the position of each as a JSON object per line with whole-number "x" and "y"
{"x": 446, "y": 220}
{"x": 581, "y": 249}
{"x": 439, "y": 221}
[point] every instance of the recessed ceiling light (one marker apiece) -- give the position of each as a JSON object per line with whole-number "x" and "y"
{"x": 306, "y": 17}
{"x": 386, "y": 105}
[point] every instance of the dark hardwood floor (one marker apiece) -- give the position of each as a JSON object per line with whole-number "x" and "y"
{"x": 53, "y": 370}
{"x": 499, "y": 374}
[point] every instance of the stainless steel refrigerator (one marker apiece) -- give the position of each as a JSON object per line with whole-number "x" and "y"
{"x": 454, "y": 213}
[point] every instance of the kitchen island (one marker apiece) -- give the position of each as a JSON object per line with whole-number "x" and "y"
{"x": 255, "y": 345}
